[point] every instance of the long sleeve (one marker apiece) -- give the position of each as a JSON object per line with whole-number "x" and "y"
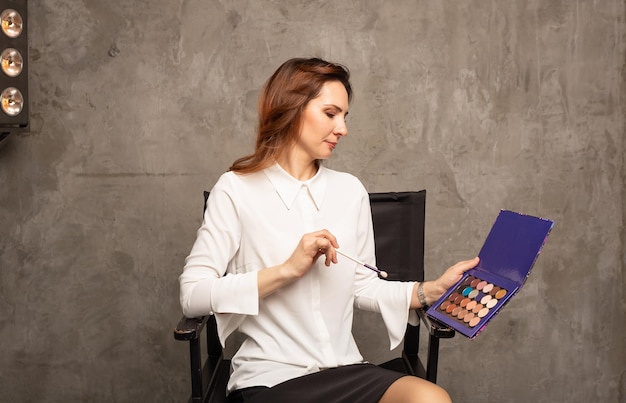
{"x": 204, "y": 288}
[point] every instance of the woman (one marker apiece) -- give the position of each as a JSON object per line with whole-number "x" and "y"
{"x": 273, "y": 224}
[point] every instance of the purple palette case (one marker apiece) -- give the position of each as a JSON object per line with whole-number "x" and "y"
{"x": 506, "y": 258}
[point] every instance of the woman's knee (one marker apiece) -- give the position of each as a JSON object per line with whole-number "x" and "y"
{"x": 410, "y": 389}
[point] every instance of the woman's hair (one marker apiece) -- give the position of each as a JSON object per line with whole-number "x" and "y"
{"x": 281, "y": 102}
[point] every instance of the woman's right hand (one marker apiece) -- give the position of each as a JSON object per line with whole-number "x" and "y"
{"x": 310, "y": 248}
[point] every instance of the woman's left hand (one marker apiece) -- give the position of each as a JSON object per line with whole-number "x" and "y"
{"x": 433, "y": 290}
{"x": 451, "y": 276}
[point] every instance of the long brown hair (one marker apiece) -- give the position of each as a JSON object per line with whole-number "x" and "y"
{"x": 281, "y": 102}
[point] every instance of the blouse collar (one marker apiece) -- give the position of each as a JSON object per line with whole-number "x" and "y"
{"x": 288, "y": 187}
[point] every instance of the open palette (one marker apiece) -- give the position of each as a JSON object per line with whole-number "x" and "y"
{"x": 506, "y": 258}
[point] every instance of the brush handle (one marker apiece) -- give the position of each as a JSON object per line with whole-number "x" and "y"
{"x": 355, "y": 260}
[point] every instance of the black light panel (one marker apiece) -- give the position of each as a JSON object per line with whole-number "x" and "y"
{"x": 14, "y": 65}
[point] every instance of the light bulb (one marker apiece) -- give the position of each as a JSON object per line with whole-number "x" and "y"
{"x": 12, "y": 101}
{"x": 12, "y": 23}
{"x": 12, "y": 62}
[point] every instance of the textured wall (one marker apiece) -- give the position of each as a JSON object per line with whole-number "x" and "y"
{"x": 139, "y": 106}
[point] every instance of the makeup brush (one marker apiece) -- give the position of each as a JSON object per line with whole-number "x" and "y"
{"x": 381, "y": 273}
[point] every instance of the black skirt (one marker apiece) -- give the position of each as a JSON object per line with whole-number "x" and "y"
{"x": 358, "y": 383}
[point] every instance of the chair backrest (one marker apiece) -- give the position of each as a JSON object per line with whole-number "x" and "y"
{"x": 399, "y": 220}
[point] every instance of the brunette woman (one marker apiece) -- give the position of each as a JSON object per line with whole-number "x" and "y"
{"x": 273, "y": 223}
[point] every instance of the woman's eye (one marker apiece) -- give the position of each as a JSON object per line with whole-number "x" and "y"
{"x": 330, "y": 115}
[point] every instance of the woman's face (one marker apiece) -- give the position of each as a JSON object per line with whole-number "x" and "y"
{"x": 323, "y": 122}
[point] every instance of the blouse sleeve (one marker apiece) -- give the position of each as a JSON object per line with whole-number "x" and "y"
{"x": 390, "y": 298}
{"x": 204, "y": 288}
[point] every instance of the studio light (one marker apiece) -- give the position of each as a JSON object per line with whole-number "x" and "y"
{"x": 12, "y": 22}
{"x": 14, "y": 114}
{"x": 12, "y": 62}
{"x": 12, "y": 101}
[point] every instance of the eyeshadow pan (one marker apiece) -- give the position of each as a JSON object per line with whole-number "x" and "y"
{"x": 501, "y": 293}
{"x": 483, "y": 312}
{"x": 494, "y": 290}
{"x": 481, "y": 285}
{"x": 492, "y": 302}
{"x": 484, "y": 300}
{"x": 471, "y": 305}
{"x": 468, "y": 317}
{"x": 475, "y": 320}
{"x": 488, "y": 288}
{"x": 444, "y": 305}
{"x": 450, "y": 308}
{"x": 465, "y": 302}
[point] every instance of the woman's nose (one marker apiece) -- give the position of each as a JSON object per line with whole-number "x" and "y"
{"x": 342, "y": 129}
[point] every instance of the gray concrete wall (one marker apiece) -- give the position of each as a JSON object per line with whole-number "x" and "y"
{"x": 139, "y": 106}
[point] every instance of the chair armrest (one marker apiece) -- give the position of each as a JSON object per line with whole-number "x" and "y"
{"x": 190, "y": 328}
{"x": 435, "y": 328}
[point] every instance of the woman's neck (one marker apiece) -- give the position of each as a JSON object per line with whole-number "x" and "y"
{"x": 300, "y": 170}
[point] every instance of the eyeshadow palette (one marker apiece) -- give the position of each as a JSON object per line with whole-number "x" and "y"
{"x": 506, "y": 258}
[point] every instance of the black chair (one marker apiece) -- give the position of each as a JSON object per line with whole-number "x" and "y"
{"x": 399, "y": 236}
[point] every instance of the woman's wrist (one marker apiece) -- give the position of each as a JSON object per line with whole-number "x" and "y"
{"x": 420, "y": 295}
{"x": 431, "y": 292}
{"x": 272, "y": 278}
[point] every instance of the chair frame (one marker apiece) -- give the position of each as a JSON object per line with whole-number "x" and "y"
{"x": 214, "y": 367}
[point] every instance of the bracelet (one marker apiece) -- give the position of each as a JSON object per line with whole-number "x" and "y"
{"x": 420, "y": 295}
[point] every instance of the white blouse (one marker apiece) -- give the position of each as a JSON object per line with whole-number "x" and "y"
{"x": 255, "y": 221}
